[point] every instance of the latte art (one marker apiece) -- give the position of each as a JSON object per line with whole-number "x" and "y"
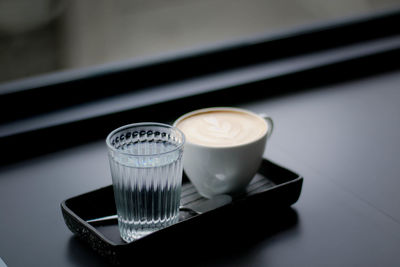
{"x": 222, "y": 128}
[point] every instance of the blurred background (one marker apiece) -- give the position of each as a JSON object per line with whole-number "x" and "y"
{"x": 42, "y": 36}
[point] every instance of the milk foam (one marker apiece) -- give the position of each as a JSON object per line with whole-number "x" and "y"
{"x": 221, "y": 128}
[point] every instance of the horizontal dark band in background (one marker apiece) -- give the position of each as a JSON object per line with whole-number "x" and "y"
{"x": 43, "y": 140}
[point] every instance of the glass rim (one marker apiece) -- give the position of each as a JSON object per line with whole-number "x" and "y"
{"x": 127, "y": 126}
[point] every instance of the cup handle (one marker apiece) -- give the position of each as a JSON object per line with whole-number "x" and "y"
{"x": 270, "y": 123}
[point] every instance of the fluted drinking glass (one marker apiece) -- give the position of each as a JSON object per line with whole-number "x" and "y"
{"x": 146, "y": 169}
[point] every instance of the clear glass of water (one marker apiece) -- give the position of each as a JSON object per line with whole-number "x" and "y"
{"x": 146, "y": 169}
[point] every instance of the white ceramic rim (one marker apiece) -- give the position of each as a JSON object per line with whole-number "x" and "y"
{"x": 228, "y": 109}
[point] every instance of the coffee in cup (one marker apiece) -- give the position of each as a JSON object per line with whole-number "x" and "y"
{"x": 224, "y": 148}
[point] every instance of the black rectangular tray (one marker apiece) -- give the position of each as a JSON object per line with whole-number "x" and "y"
{"x": 272, "y": 188}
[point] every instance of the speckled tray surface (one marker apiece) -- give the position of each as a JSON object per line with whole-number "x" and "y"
{"x": 272, "y": 187}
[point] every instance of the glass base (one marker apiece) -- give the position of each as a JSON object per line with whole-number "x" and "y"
{"x": 130, "y": 232}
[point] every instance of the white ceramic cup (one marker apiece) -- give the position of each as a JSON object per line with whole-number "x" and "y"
{"x": 227, "y": 169}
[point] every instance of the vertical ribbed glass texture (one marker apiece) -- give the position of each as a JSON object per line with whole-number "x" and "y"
{"x": 146, "y": 168}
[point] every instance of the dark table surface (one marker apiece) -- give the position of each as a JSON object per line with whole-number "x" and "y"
{"x": 344, "y": 140}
